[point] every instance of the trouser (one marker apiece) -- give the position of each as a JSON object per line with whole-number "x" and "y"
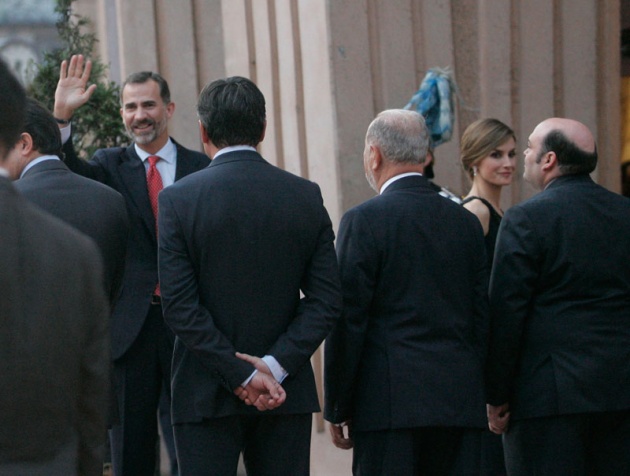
{"x": 588, "y": 444}
{"x": 272, "y": 445}
{"x": 140, "y": 375}
{"x": 426, "y": 451}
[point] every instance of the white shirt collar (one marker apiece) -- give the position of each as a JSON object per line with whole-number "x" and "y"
{"x": 397, "y": 177}
{"x": 168, "y": 153}
{"x": 36, "y": 161}
{"x": 232, "y": 148}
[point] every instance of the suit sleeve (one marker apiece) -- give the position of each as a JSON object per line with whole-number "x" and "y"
{"x": 358, "y": 264}
{"x": 481, "y": 307}
{"x": 320, "y": 306}
{"x": 190, "y": 321}
{"x": 119, "y": 237}
{"x": 90, "y": 169}
{"x": 95, "y": 375}
{"x": 512, "y": 283}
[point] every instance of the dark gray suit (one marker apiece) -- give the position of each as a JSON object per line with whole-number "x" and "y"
{"x": 141, "y": 343}
{"x": 54, "y": 344}
{"x": 560, "y": 300}
{"x": 409, "y": 350}
{"x": 238, "y": 242}
{"x": 91, "y": 207}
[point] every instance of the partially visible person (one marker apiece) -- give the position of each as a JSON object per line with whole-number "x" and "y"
{"x": 488, "y": 155}
{"x": 251, "y": 288}
{"x": 91, "y": 207}
{"x": 428, "y": 173}
{"x": 558, "y": 376}
{"x": 625, "y": 179}
{"x": 54, "y": 344}
{"x": 142, "y": 344}
{"x": 404, "y": 364}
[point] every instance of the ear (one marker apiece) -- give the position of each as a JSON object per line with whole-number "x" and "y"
{"x": 262, "y": 136}
{"x": 208, "y": 146}
{"x": 170, "y": 109}
{"x": 376, "y": 158}
{"x": 203, "y": 133}
{"x": 549, "y": 161}
{"x": 429, "y": 159}
{"x": 25, "y": 144}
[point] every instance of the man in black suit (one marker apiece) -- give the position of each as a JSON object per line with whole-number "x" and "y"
{"x": 142, "y": 344}
{"x": 404, "y": 364}
{"x": 54, "y": 344}
{"x": 239, "y": 241}
{"x": 559, "y": 358}
{"x": 91, "y": 207}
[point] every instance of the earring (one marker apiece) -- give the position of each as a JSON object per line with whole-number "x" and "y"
{"x": 474, "y": 170}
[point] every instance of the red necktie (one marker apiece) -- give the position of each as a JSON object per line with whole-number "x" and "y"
{"x": 154, "y": 184}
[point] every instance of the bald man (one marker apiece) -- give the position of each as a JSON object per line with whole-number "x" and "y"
{"x": 558, "y": 375}
{"x": 404, "y": 364}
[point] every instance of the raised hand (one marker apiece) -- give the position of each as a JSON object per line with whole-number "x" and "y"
{"x": 72, "y": 90}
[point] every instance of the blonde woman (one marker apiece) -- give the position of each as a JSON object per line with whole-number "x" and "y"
{"x": 488, "y": 154}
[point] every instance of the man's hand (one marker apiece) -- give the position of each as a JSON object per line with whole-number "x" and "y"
{"x": 262, "y": 391}
{"x": 72, "y": 89}
{"x": 498, "y": 418}
{"x": 258, "y": 363}
{"x": 339, "y": 439}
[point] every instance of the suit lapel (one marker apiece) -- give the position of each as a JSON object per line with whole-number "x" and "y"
{"x": 186, "y": 163}
{"x": 133, "y": 176}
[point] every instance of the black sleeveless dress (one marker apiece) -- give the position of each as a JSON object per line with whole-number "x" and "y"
{"x": 493, "y": 228}
{"x": 483, "y": 449}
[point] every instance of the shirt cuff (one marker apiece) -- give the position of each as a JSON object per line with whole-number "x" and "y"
{"x": 277, "y": 370}
{"x": 65, "y": 133}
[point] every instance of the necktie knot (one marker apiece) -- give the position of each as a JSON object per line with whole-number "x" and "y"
{"x": 153, "y": 159}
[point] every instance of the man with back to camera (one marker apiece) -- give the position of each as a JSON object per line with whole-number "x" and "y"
{"x": 54, "y": 344}
{"x": 404, "y": 364}
{"x": 559, "y": 359}
{"x": 91, "y": 207}
{"x": 239, "y": 241}
{"x": 142, "y": 344}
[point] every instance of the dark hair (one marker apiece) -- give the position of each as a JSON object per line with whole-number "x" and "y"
{"x": 571, "y": 159}
{"x": 232, "y": 111}
{"x": 12, "y": 99}
{"x": 144, "y": 76}
{"x": 43, "y": 128}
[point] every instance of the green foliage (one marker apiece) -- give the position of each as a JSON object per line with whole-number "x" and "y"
{"x": 97, "y": 124}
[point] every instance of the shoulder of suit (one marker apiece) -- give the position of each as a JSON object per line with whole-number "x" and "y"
{"x": 111, "y": 152}
{"x": 185, "y": 150}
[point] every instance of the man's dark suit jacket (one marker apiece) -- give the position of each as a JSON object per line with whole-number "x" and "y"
{"x": 238, "y": 242}
{"x": 409, "y": 348}
{"x": 123, "y": 170}
{"x": 54, "y": 343}
{"x": 91, "y": 207}
{"x": 560, "y": 303}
